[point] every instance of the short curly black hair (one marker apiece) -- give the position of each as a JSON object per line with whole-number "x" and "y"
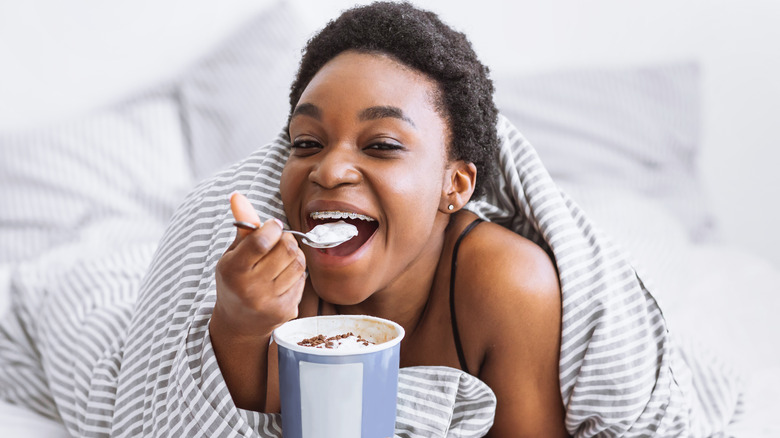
{"x": 420, "y": 40}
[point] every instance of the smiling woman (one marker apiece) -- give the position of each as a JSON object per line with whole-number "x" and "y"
{"x": 370, "y": 159}
{"x": 495, "y": 277}
{"x": 521, "y": 316}
{"x": 391, "y": 128}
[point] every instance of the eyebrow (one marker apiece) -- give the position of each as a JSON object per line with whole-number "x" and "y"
{"x": 307, "y": 109}
{"x": 378, "y": 112}
{"x": 371, "y": 113}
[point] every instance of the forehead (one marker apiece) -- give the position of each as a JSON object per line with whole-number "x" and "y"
{"x": 371, "y": 79}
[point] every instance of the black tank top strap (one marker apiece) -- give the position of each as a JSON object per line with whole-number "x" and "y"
{"x": 455, "y": 332}
{"x": 319, "y": 306}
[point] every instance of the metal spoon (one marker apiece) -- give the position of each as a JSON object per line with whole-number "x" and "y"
{"x": 314, "y": 237}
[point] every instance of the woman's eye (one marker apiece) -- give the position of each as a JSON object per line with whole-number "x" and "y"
{"x": 384, "y": 147}
{"x": 305, "y": 144}
{"x": 305, "y": 147}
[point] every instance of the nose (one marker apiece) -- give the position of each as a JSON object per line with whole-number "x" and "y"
{"x": 336, "y": 167}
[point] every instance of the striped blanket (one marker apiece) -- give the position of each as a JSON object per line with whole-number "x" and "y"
{"x": 115, "y": 349}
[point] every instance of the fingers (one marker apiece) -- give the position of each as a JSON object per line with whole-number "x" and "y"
{"x": 292, "y": 298}
{"x": 283, "y": 307}
{"x": 273, "y": 286}
{"x": 262, "y": 244}
{"x": 267, "y": 254}
{"x": 285, "y": 256}
{"x": 261, "y": 276}
{"x": 243, "y": 211}
{"x": 293, "y": 273}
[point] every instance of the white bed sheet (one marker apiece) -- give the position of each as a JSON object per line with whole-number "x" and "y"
{"x": 17, "y": 422}
{"x": 730, "y": 303}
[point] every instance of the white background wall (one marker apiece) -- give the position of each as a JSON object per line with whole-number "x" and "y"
{"x": 61, "y": 58}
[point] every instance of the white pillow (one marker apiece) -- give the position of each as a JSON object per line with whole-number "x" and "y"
{"x": 236, "y": 99}
{"x": 114, "y": 176}
{"x": 635, "y": 128}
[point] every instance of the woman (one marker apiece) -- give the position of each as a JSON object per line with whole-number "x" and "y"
{"x": 392, "y": 124}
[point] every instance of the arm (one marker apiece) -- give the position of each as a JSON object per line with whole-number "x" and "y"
{"x": 518, "y": 312}
{"x": 260, "y": 279}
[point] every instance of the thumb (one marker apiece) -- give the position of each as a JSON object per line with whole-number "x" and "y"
{"x": 243, "y": 211}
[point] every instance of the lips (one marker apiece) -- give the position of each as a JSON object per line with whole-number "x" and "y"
{"x": 365, "y": 224}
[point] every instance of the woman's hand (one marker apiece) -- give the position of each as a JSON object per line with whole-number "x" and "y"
{"x": 260, "y": 280}
{"x": 260, "y": 277}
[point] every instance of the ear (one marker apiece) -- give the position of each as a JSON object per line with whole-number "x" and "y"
{"x": 459, "y": 181}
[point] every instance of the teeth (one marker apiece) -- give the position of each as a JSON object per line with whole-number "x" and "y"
{"x": 339, "y": 215}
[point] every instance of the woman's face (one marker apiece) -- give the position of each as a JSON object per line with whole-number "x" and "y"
{"x": 370, "y": 147}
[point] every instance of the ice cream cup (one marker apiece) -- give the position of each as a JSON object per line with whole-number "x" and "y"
{"x": 335, "y": 392}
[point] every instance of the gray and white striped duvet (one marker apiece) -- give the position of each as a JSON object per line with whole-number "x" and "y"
{"x": 113, "y": 351}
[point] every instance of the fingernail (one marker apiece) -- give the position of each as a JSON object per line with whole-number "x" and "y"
{"x": 281, "y": 224}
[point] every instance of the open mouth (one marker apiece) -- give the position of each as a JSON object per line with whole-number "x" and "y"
{"x": 365, "y": 225}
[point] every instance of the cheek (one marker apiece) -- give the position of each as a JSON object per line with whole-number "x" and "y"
{"x": 289, "y": 183}
{"x": 412, "y": 195}
{"x": 423, "y": 190}
{"x": 284, "y": 184}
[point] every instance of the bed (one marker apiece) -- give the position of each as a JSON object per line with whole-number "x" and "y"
{"x": 624, "y": 142}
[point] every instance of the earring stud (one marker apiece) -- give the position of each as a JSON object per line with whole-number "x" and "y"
{"x": 450, "y": 207}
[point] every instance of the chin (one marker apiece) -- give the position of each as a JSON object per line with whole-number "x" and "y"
{"x": 340, "y": 290}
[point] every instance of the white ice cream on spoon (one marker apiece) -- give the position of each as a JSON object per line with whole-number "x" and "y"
{"x": 332, "y": 232}
{"x": 325, "y": 235}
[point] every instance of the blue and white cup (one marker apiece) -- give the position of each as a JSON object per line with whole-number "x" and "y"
{"x": 348, "y": 392}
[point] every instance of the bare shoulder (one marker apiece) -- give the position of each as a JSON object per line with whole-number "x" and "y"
{"x": 498, "y": 267}
{"x": 508, "y": 301}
